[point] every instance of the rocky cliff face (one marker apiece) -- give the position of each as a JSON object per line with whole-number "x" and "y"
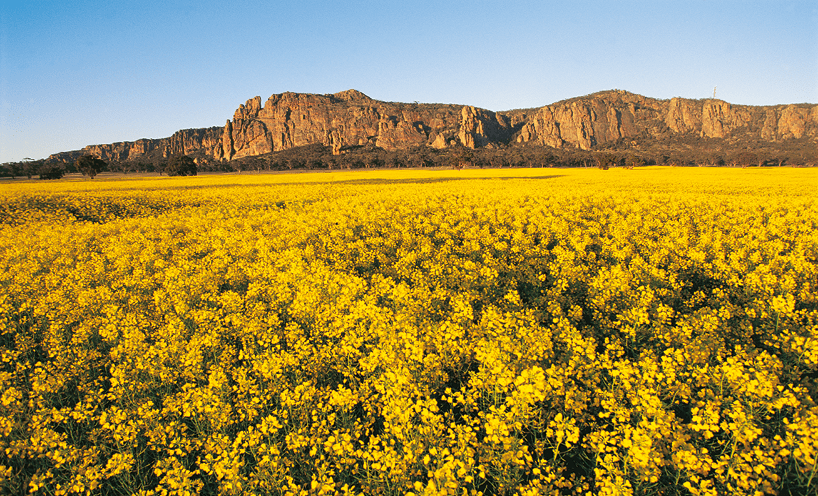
{"x": 204, "y": 141}
{"x": 350, "y": 118}
{"x": 608, "y": 116}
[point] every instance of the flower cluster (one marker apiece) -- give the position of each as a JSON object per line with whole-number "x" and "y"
{"x": 449, "y": 332}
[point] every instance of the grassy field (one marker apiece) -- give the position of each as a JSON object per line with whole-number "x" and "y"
{"x": 526, "y": 331}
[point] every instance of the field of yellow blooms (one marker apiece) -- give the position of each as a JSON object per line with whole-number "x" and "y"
{"x": 537, "y": 331}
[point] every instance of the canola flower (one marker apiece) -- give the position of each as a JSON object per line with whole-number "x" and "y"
{"x": 471, "y": 332}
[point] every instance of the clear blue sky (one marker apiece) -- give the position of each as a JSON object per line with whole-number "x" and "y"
{"x": 86, "y": 72}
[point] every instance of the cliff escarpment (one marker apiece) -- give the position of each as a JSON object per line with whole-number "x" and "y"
{"x": 197, "y": 142}
{"x": 350, "y": 119}
{"x": 609, "y": 116}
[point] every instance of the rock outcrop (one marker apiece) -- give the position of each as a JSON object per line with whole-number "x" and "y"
{"x": 681, "y": 116}
{"x": 608, "y": 116}
{"x": 204, "y": 141}
{"x": 587, "y": 122}
{"x": 351, "y": 119}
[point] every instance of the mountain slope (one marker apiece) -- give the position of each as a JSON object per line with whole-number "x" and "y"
{"x": 352, "y": 119}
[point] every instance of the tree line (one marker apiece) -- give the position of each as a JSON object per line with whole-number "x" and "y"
{"x": 711, "y": 153}
{"x": 91, "y": 166}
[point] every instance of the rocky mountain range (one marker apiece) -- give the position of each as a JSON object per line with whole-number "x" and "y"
{"x": 351, "y": 119}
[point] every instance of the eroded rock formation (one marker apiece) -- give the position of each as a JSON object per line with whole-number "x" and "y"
{"x": 608, "y": 116}
{"x": 351, "y": 118}
{"x": 203, "y": 141}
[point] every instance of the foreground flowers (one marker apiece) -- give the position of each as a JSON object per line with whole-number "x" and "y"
{"x": 499, "y": 332}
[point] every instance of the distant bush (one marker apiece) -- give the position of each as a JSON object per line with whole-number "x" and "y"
{"x": 181, "y": 165}
{"x": 51, "y": 171}
{"x": 90, "y": 165}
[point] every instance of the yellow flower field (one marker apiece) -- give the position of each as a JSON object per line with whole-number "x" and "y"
{"x": 529, "y": 331}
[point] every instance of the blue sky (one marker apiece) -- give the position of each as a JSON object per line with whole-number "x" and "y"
{"x": 86, "y": 72}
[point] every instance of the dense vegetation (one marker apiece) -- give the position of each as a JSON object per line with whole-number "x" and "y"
{"x": 451, "y": 332}
{"x": 665, "y": 150}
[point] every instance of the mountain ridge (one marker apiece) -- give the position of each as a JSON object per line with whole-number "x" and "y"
{"x": 350, "y": 118}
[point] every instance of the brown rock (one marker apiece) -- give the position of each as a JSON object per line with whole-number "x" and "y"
{"x": 351, "y": 118}
{"x": 474, "y": 125}
{"x": 769, "y": 130}
{"x": 542, "y": 127}
{"x": 186, "y": 141}
{"x": 587, "y": 121}
{"x": 681, "y": 116}
{"x": 714, "y": 116}
{"x": 439, "y": 142}
{"x": 792, "y": 123}
{"x": 249, "y": 110}
{"x": 394, "y": 134}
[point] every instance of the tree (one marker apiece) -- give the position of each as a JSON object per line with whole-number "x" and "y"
{"x": 461, "y": 157}
{"x": 50, "y": 171}
{"x": 181, "y": 165}
{"x": 746, "y": 159}
{"x": 634, "y": 160}
{"x": 29, "y": 166}
{"x": 604, "y": 160}
{"x": 676, "y": 159}
{"x": 295, "y": 163}
{"x": 547, "y": 157}
{"x": 394, "y": 161}
{"x": 315, "y": 163}
{"x": 12, "y": 169}
{"x": 90, "y": 165}
{"x": 714, "y": 159}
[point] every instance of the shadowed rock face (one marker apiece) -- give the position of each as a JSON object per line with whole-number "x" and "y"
{"x": 350, "y": 118}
